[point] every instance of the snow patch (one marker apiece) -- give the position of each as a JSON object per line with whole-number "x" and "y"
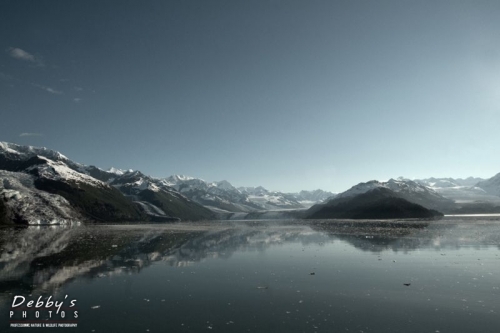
{"x": 37, "y": 207}
{"x": 29, "y": 151}
{"x": 116, "y": 171}
{"x": 60, "y": 171}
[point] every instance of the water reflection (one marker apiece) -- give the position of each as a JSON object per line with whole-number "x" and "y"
{"x": 377, "y": 236}
{"x": 258, "y": 275}
{"x": 37, "y": 259}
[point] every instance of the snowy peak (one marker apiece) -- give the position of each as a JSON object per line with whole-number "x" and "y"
{"x": 187, "y": 183}
{"x": 225, "y": 185}
{"x": 45, "y": 163}
{"x": 177, "y": 179}
{"x": 58, "y": 170}
{"x": 118, "y": 172}
{"x": 466, "y": 192}
{"x": 314, "y": 196}
{"x": 39, "y": 184}
{"x": 399, "y": 185}
{"x": 223, "y": 196}
{"x": 26, "y": 152}
{"x": 449, "y": 182}
{"x": 360, "y": 189}
{"x": 132, "y": 182}
{"x": 407, "y": 186}
{"x": 259, "y": 190}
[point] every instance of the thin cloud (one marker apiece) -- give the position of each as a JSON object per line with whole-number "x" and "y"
{"x": 52, "y": 91}
{"x": 20, "y": 54}
{"x": 77, "y": 100}
{"x": 78, "y": 88}
{"x": 31, "y": 134}
{"x": 47, "y": 89}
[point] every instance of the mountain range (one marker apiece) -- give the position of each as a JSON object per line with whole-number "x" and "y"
{"x": 42, "y": 186}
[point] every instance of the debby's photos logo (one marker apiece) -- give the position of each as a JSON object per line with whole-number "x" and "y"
{"x": 42, "y": 312}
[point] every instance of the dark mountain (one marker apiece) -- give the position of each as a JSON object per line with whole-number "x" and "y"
{"x": 376, "y": 203}
{"x": 405, "y": 189}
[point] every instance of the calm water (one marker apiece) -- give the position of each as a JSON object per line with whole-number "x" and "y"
{"x": 294, "y": 276}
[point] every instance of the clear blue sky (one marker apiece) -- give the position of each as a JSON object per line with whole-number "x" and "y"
{"x": 289, "y": 94}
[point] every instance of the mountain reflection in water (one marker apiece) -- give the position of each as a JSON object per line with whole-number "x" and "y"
{"x": 45, "y": 260}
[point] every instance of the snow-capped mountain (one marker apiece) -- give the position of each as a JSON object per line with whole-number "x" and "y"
{"x": 257, "y": 191}
{"x": 406, "y": 189}
{"x": 88, "y": 192}
{"x": 156, "y": 197}
{"x": 118, "y": 172}
{"x": 21, "y": 152}
{"x": 314, "y": 196}
{"x": 41, "y": 186}
{"x": 304, "y": 198}
{"x": 221, "y": 196}
{"x": 217, "y": 196}
{"x": 462, "y": 191}
{"x": 449, "y": 182}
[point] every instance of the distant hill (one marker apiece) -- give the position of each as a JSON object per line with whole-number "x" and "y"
{"x": 376, "y": 203}
{"x": 405, "y": 189}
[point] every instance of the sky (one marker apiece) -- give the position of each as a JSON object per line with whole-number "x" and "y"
{"x": 290, "y": 95}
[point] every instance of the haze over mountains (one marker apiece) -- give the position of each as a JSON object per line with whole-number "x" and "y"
{"x": 39, "y": 185}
